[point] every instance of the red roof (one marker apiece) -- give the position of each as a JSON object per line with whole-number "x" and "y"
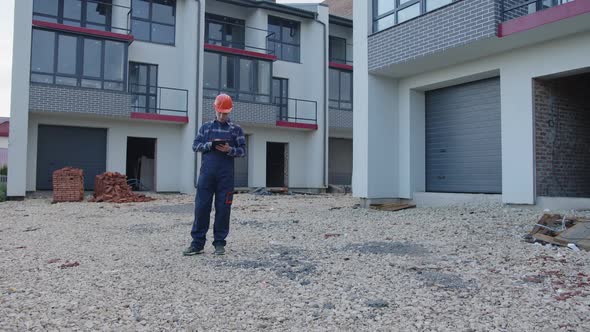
{"x": 4, "y": 128}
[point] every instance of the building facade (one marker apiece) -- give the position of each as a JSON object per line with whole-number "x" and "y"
{"x": 123, "y": 85}
{"x": 455, "y": 98}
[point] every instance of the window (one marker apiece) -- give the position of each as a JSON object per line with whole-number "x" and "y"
{"x": 143, "y": 83}
{"x": 387, "y": 13}
{"x": 284, "y": 39}
{"x": 92, "y": 14}
{"x": 154, "y": 20}
{"x": 224, "y": 31}
{"x": 64, "y": 59}
{"x": 338, "y": 50}
{"x": 243, "y": 78}
{"x": 340, "y": 90}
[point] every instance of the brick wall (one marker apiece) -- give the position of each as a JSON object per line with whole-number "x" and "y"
{"x": 340, "y": 119}
{"x": 244, "y": 112}
{"x": 517, "y": 12}
{"x": 562, "y": 137}
{"x": 457, "y": 24}
{"x": 63, "y": 99}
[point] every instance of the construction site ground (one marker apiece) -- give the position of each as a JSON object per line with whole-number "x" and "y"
{"x": 294, "y": 262}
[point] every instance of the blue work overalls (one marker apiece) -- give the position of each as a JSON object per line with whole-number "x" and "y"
{"x": 216, "y": 178}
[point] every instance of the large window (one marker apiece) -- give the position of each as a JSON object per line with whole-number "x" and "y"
{"x": 65, "y": 59}
{"x": 338, "y": 50}
{"x": 93, "y": 14}
{"x": 387, "y": 13}
{"x": 243, "y": 78}
{"x": 143, "y": 83}
{"x": 284, "y": 38}
{"x": 340, "y": 90}
{"x": 154, "y": 20}
{"x": 224, "y": 31}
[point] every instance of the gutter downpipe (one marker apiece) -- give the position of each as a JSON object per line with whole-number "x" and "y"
{"x": 325, "y": 102}
{"x": 197, "y": 106}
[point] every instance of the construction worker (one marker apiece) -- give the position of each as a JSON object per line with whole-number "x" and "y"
{"x": 219, "y": 141}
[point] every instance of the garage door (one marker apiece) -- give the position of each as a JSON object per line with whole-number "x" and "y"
{"x": 61, "y": 146}
{"x": 463, "y": 144}
{"x": 340, "y": 161}
{"x": 241, "y": 170}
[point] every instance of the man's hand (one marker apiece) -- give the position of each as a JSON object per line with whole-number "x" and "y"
{"x": 223, "y": 148}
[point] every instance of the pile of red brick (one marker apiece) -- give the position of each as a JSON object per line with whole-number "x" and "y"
{"x": 68, "y": 185}
{"x": 112, "y": 187}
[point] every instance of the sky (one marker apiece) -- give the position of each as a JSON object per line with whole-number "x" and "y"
{"x": 6, "y": 23}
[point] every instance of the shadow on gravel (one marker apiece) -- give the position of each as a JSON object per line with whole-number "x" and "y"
{"x": 286, "y": 262}
{"x": 387, "y": 248}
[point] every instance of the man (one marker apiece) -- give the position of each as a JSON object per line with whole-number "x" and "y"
{"x": 219, "y": 141}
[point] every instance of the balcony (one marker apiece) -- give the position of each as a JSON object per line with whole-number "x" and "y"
{"x": 340, "y": 54}
{"x": 89, "y": 17}
{"x": 465, "y": 30}
{"x": 522, "y": 15}
{"x": 152, "y": 103}
{"x": 284, "y": 112}
{"x": 228, "y": 35}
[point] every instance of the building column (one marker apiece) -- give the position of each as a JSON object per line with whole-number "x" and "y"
{"x": 517, "y": 119}
{"x": 375, "y": 142}
{"x": 19, "y": 100}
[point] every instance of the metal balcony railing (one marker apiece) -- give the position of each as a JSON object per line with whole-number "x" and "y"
{"x": 253, "y": 39}
{"x": 512, "y": 9}
{"x": 296, "y": 110}
{"x": 159, "y": 100}
{"x": 92, "y": 14}
{"x": 345, "y": 59}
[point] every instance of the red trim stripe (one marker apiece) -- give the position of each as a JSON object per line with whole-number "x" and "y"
{"x": 159, "y": 117}
{"x": 224, "y": 49}
{"x": 297, "y": 125}
{"x": 85, "y": 31}
{"x": 340, "y": 66}
{"x": 543, "y": 17}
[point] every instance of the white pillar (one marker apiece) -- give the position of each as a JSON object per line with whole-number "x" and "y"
{"x": 518, "y": 158}
{"x": 19, "y": 100}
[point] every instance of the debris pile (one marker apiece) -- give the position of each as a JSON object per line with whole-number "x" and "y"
{"x": 68, "y": 185}
{"x": 572, "y": 232}
{"x": 112, "y": 187}
{"x": 392, "y": 206}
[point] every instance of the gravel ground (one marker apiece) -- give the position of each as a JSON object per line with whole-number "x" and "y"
{"x": 300, "y": 263}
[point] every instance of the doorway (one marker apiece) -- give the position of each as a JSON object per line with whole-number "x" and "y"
{"x": 141, "y": 165}
{"x": 280, "y": 97}
{"x": 276, "y": 162}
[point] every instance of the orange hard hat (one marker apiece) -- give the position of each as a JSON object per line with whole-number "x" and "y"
{"x": 223, "y": 103}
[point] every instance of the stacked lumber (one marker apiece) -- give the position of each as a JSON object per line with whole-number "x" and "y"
{"x": 68, "y": 185}
{"x": 112, "y": 187}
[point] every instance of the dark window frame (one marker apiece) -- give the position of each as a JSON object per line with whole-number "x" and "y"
{"x": 237, "y": 92}
{"x": 147, "y": 86}
{"x": 79, "y": 76}
{"x": 225, "y": 21}
{"x": 341, "y": 101}
{"x": 283, "y": 102}
{"x": 83, "y": 14}
{"x": 150, "y": 21}
{"x": 279, "y": 39}
{"x": 332, "y": 58}
{"x": 398, "y": 7}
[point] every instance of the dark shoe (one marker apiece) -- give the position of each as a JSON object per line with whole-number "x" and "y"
{"x": 190, "y": 251}
{"x": 219, "y": 250}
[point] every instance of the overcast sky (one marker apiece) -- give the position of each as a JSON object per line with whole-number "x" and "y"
{"x": 6, "y": 22}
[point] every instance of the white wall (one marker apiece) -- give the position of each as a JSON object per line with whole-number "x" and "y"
{"x": 4, "y": 142}
{"x": 168, "y": 150}
{"x": 517, "y": 69}
{"x": 301, "y": 171}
